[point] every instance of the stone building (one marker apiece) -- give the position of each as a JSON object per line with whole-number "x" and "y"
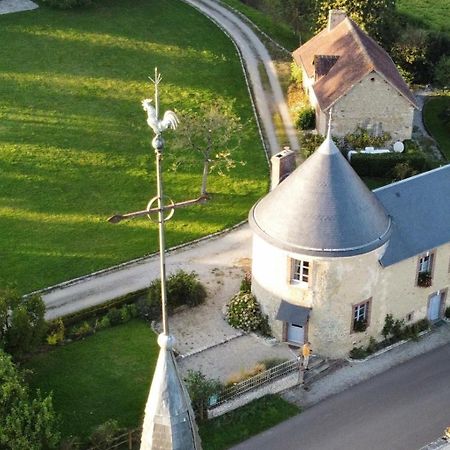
{"x": 331, "y": 258}
{"x": 344, "y": 69}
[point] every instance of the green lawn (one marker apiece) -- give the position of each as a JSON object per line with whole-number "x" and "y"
{"x": 434, "y": 14}
{"x": 243, "y": 423}
{"x": 280, "y": 32}
{"x": 436, "y": 114}
{"x": 106, "y": 375}
{"x": 75, "y": 146}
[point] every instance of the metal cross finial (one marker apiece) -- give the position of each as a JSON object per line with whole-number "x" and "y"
{"x": 169, "y": 120}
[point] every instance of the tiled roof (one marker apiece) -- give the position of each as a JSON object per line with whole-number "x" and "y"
{"x": 323, "y": 209}
{"x": 420, "y": 211}
{"x": 358, "y": 55}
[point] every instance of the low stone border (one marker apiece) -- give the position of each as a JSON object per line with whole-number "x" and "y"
{"x": 385, "y": 349}
{"x": 208, "y": 347}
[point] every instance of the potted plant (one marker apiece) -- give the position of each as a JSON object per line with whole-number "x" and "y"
{"x": 424, "y": 279}
{"x": 359, "y": 325}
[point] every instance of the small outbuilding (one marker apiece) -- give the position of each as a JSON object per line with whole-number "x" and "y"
{"x": 345, "y": 69}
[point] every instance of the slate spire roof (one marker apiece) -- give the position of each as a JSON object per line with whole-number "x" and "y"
{"x": 355, "y": 55}
{"x": 323, "y": 208}
{"x": 169, "y": 422}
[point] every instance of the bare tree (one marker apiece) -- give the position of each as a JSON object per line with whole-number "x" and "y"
{"x": 208, "y": 136}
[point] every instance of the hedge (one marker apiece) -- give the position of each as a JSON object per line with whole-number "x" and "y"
{"x": 382, "y": 165}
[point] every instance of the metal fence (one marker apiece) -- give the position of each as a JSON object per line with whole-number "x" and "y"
{"x": 254, "y": 382}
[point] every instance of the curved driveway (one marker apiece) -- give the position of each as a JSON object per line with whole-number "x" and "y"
{"x": 255, "y": 56}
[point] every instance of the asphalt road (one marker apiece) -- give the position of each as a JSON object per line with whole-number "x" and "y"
{"x": 403, "y": 408}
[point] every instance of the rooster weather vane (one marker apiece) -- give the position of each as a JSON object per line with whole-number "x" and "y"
{"x": 169, "y": 120}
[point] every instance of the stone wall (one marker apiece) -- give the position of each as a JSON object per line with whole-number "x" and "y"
{"x": 375, "y": 105}
{"x": 336, "y": 285}
{"x": 290, "y": 380}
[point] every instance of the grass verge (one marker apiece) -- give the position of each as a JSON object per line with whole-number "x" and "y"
{"x": 75, "y": 146}
{"x": 279, "y": 32}
{"x": 106, "y": 375}
{"x": 436, "y": 115}
{"x": 239, "y": 425}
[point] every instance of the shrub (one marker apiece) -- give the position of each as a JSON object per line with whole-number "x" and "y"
{"x": 56, "y": 334}
{"x": 246, "y": 284}
{"x": 115, "y": 316}
{"x": 296, "y": 74}
{"x": 372, "y": 346}
{"x": 309, "y": 142}
{"x": 103, "y": 436}
{"x": 306, "y": 119}
{"x": 124, "y": 314}
{"x": 442, "y": 72}
{"x": 359, "y": 326}
{"x": 79, "y": 331}
{"x": 361, "y": 138}
{"x": 103, "y": 323}
{"x": 382, "y": 165}
{"x": 423, "y": 325}
{"x": 200, "y": 391}
{"x": 272, "y": 362}
{"x": 243, "y": 312}
{"x": 358, "y": 353}
{"x": 67, "y": 4}
{"x": 183, "y": 288}
{"x": 388, "y": 324}
{"x": 22, "y": 322}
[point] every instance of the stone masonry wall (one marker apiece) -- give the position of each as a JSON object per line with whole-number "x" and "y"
{"x": 373, "y": 104}
{"x": 336, "y": 285}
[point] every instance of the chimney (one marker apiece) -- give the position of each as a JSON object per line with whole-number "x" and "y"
{"x": 335, "y": 17}
{"x": 283, "y": 164}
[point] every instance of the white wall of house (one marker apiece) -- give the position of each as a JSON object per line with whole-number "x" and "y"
{"x": 375, "y": 105}
{"x": 336, "y": 285}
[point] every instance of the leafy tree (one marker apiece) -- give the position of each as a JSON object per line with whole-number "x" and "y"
{"x": 211, "y": 134}
{"x": 22, "y": 322}
{"x": 442, "y": 72}
{"x": 371, "y": 15}
{"x": 410, "y": 53}
{"x": 25, "y": 423}
{"x": 200, "y": 390}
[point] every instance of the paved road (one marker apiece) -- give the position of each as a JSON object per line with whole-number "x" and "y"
{"x": 401, "y": 409}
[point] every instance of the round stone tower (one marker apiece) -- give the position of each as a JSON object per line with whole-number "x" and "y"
{"x": 317, "y": 240}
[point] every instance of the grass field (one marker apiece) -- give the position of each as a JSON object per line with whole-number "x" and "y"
{"x": 436, "y": 115}
{"x": 75, "y": 146}
{"x": 433, "y": 14}
{"x": 106, "y": 375}
{"x": 236, "y": 426}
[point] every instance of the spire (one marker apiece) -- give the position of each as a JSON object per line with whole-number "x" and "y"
{"x": 328, "y": 147}
{"x": 169, "y": 420}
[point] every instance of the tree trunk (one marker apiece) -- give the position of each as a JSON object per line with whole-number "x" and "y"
{"x": 205, "y": 176}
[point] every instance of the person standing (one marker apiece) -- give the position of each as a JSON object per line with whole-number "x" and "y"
{"x": 306, "y": 353}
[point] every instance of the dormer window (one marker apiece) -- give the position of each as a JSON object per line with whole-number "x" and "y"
{"x": 300, "y": 271}
{"x": 425, "y": 269}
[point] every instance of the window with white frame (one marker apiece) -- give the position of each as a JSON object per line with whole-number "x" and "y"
{"x": 361, "y": 316}
{"x": 425, "y": 269}
{"x": 300, "y": 271}
{"x": 425, "y": 263}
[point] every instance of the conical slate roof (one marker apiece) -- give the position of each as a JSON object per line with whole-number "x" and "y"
{"x": 169, "y": 422}
{"x": 323, "y": 209}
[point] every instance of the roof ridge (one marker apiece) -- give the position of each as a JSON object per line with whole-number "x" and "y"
{"x": 353, "y": 30}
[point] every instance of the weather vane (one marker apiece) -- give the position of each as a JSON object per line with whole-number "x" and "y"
{"x": 169, "y": 120}
{"x": 169, "y": 421}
